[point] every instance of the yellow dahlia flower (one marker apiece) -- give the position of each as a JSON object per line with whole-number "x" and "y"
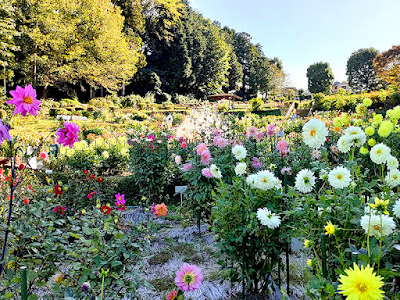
{"x": 361, "y": 284}
{"x": 330, "y": 229}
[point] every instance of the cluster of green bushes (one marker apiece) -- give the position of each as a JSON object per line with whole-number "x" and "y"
{"x": 348, "y": 101}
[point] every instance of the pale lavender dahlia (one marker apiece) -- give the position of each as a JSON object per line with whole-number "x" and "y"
{"x": 188, "y": 278}
{"x": 25, "y": 100}
{"x": 68, "y": 135}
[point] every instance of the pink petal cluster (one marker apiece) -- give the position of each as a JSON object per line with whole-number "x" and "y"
{"x": 151, "y": 138}
{"x": 281, "y": 146}
{"x": 68, "y": 135}
{"x": 25, "y": 100}
{"x": 44, "y": 155}
{"x": 252, "y": 131}
{"x": 200, "y": 148}
{"x": 120, "y": 201}
{"x": 172, "y": 295}
{"x": 271, "y": 130}
{"x": 205, "y": 157}
{"x": 59, "y": 210}
{"x": 256, "y": 163}
{"x": 187, "y": 167}
{"x": 218, "y": 131}
{"x": 188, "y": 278}
{"x": 206, "y": 172}
{"x": 220, "y": 142}
{"x": 259, "y": 136}
{"x": 286, "y": 170}
{"x": 4, "y": 134}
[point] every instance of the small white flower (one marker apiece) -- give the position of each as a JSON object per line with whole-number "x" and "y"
{"x": 105, "y": 154}
{"x": 268, "y": 218}
{"x": 178, "y": 159}
{"x": 265, "y": 180}
{"x": 314, "y": 133}
{"x": 343, "y": 145}
{"x": 239, "y": 152}
{"x": 392, "y": 163}
{"x": 339, "y": 178}
{"x": 380, "y": 153}
{"x": 240, "y": 169}
{"x": 250, "y": 180}
{"x": 215, "y": 171}
{"x": 393, "y": 178}
{"x": 355, "y": 136}
{"x": 305, "y": 181}
{"x": 396, "y": 208}
{"x": 378, "y": 225}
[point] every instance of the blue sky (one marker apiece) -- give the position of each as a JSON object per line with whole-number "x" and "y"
{"x": 301, "y": 32}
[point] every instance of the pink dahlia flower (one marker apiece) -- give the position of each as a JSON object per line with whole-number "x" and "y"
{"x": 271, "y": 130}
{"x": 282, "y": 145}
{"x": 44, "y": 155}
{"x": 188, "y": 278}
{"x": 172, "y": 295}
{"x": 25, "y": 100}
{"x": 220, "y": 142}
{"x": 4, "y": 134}
{"x": 200, "y": 148}
{"x": 68, "y": 135}
{"x": 187, "y": 167}
{"x": 217, "y": 131}
{"x": 206, "y": 157}
{"x": 252, "y": 131}
{"x": 259, "y": 136}
{"x": 206, "y": 172}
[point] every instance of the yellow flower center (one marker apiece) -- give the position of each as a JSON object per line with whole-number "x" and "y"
{"x": 362, "y": 287}
{"x": 120, "y": 198}
{"x": 189, "y": 278}
{"x": 28, "y": 100}
{"x": 379, "y": 152}
{"x": 312, "y": 132}
{"x": 395, "y": 177}
{"x": 339, "y": 176}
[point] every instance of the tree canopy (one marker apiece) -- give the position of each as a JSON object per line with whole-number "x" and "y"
{"x": 360, "y": 70}
{"x": 387, "y": 65}
{"x": 319, "y": 77}
{"x": 158, "y": 46}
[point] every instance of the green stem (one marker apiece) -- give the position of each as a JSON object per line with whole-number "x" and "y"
{"x": 102, "y": 286}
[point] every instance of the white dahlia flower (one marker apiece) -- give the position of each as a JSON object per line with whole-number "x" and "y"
{"x": 268, "y": 218}
{"x": 380, "y": 153}
{"x": 378, "y": 225}
{"x": 305, "y": 181}
{"x": 215, "y": 171}
{"x": 343, "y": 145}
{"x": 240, "y": 169}
{"x": 314, "y": 133}
{"x": 265, "y": 180}
{"x": 396, "y": 208}
{"x": 355, "y": 136}
{"x": 393, "y": 178}
{"x": 339, "y": 178}
{"x": 392, "y": 163}
{"x": 239, "y": 152}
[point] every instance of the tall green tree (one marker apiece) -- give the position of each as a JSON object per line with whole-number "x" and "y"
{"x": 320, "y": 78}
{"x": 360, "y": 70}
{"x": 72, "y": 41}
{"x": 8, "y": 33}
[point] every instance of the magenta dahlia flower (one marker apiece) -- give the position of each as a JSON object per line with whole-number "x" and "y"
{"x": 188, "y": 278}
{"x": 68, "y": 135}
{"x": 4, "y": 132}
{"x": 25, "y": 100}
